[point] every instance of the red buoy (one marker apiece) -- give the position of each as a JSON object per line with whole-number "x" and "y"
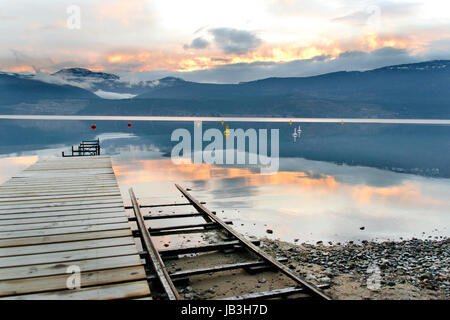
{"x": 93, "y": 127}
{"x": 129, "y": 124}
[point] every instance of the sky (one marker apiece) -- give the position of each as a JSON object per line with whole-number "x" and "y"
{"x": 220, "y": 41}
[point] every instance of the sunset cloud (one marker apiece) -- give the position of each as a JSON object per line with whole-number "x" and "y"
{"x": 205, "y": 38}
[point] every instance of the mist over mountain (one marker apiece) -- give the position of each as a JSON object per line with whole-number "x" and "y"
{"x": 94, "y": 81}
{"x": 101, "y": 82}
{"x": 24, "y": 94}
{"x": 108, "y": 82}
{"x": 15, "y": 89}
{"x": 408, "y": 90}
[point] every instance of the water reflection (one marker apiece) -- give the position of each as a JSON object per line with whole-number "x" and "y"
{"x": 310, "y": 198}
{"x": 307, "y": 205}
{"x": 12, "y": 165}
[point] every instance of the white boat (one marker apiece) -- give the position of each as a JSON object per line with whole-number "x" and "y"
{"x": 295, "y": 135}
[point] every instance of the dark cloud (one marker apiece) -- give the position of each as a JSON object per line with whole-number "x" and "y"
{"x": 233, "y": 41}
{"x": 197, "y": 43}
{"x": 322, "y": 57}
{"x": 220, "y": 59}
{"x": 352, "y": 54}
{"x": 387, "y": 52}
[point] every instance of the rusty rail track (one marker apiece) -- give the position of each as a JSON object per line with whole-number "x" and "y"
{"x": 159, "y": 275}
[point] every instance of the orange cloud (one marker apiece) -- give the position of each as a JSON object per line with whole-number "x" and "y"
{"x": 27, "y": 69}
{"x": 373, "y": 41}
{"x": 416, "y": 43}
{"x": 10, "y": 166}
{"x": 292, "y": 184}
{"x": 23, "y": 161}
{"x": 183, "y": 61}
{"x": 177, "y": 59}
{"x": 407, "y": 193}
{"x": 164, "y": 169}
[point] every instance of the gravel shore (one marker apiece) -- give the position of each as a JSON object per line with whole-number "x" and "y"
{"x": 410, "y": 269}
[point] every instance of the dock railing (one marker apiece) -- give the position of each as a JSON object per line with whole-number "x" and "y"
{"x": 85, "y": 148}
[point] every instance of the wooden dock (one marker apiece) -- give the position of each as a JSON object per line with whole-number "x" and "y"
{"x": 61, "y": 215}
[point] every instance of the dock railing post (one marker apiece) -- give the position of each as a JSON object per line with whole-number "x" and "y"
{"x": 85, "y": 148}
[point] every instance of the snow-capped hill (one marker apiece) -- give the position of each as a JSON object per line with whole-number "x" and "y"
{"x": 78, "y": 74}
{"x": 165, "y": 82}
{"x": 171, "y": 80}
{"x": 105, "y": 85}
{"x": 108, "y": 85}
{"x": 435, "y": 65}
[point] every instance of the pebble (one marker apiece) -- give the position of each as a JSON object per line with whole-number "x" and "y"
{"x": 263, "y": 280}
{"x": 422, "y": 263}
{"x": 310, "y": 277}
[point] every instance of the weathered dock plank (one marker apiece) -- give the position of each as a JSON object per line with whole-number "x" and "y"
{"x": 66, "y": 212}
{"x": 50, "y": 269}
{"x": 69, "y": 246}
{"x": 91, "y": 278}
{"x": 126, "y": 290}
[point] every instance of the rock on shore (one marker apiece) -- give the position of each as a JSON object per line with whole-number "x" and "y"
{"x": 410, "y": 269}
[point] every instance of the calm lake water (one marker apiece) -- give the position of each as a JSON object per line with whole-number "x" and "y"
{"x": 393, "y": 179}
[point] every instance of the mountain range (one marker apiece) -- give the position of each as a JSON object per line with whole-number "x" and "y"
{"x": 408, "y": 90}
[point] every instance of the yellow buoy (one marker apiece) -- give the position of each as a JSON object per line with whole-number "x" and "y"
{"x": 226, "y": 132}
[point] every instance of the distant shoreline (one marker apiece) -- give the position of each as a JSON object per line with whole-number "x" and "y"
{"x": 228, "y": 119}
